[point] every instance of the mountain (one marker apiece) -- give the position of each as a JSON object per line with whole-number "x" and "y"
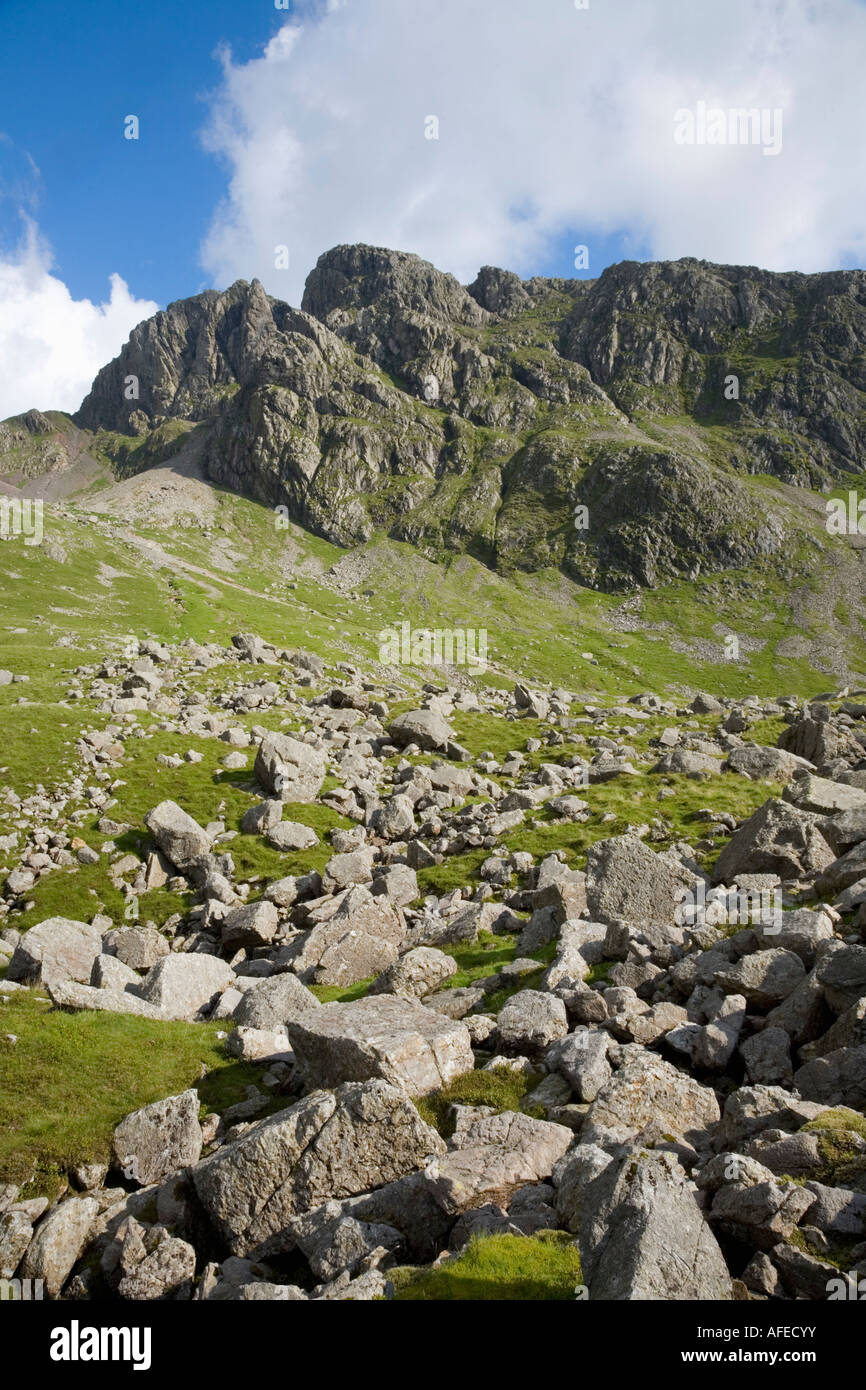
{"x": 476, "y": 419}
{"x": 319, "y": 956}
{"x": 669, "y": 429}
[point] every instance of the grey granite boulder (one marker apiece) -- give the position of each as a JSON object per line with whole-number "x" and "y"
{"x": 643, "y": 1235}
{"x": 398, "y": 1040}
{"x": 328, "y": 1146}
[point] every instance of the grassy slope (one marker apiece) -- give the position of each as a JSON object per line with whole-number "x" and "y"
{"x": 537, "y": 624}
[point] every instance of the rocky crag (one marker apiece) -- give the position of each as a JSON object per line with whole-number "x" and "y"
{"x": 476, "y": 419}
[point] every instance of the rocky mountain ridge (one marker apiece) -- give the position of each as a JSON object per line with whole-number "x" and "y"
{"x": 477, "y": 418}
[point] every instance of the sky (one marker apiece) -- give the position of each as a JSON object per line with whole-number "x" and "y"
{"x": 471, "y": 132}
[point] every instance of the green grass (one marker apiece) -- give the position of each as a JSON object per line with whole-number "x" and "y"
{"x": 502, "y": 1089}
{"x": 514, "y": 1268}
{"x": 70, "y": 1079}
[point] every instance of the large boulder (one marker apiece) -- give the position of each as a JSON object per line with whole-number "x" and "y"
{"x": 493, "y": 1156}
{"x": 58, "y": 1242}
{"x": 288, "y": 769}
{"x": 55, "y": 952}
{"x": 419, "y": 972}
{"x": 158, "y": 1139}
{"x": 778, "y": 839}
{"x": 183, "y": 986}
{"x": 422, "y": 726}
{"x": 398, "y": 1040}
{"x": 841, "y": 873}
{"x": 16, "y": 1232}
{"x": 819, "y": 741}
{"x": 250, "y": 925}
{"x": 760, "y": 1213}
{"x": 165, "y": 1272}
{"x": 643, "y": 1235}
{"x": 360, "y": 940}
{"x": 823, "y": 797}
{"x": 626, "y": 881}
{"x": 327, "y": 1146}
{"x": 181, "y": 839}
{"x": 841, "y": 971}
{"x": 272, "y": 1002}
{"x": 580, "y": 946}
{"x": 646, "y": 1099}
{"x": 760, "y": 763}
{"x": 581, "y": 1059}
{"x": 764, "y": 978}
{"x": 839, "y": 1078}
{"x": 530, "y": 1021}
{"x": 137, "y": 947}
{"x": 84, "y": 998}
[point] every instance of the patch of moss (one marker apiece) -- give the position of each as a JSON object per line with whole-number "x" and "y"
{"x": 501, "y": 1089}
{"x": 493, "y": 1268}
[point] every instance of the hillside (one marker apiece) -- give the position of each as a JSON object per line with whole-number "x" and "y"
{"x": 328, "y": 971}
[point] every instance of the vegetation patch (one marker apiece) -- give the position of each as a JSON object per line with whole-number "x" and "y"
{"x": 492, "y": 1268}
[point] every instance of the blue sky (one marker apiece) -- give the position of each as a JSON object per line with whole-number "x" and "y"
{"x": 305, "y": 127}
{"x": 69, "y": 74}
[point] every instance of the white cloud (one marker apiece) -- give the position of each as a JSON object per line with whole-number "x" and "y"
{"x": 552, "y": 120}
{"x": 51, "y": 345}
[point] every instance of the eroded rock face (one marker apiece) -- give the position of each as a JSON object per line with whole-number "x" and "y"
{"x": 398, "y": 1040}
{"x": 329, "y": 1145}
{"x": 273, "y": 382}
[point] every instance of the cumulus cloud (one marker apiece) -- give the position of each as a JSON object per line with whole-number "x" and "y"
{"x": 553, "y": 120}
{"x": 51, "y": 345}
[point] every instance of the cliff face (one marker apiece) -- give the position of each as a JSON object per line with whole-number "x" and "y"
{"x": 477, "y": 419}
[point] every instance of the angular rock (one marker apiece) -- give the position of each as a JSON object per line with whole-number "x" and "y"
{"x": 778, "y": 839}
{"x": 328, "y": 1145}
{"x": 181, "y": 839}
{"x": 648, "y": 1097}
{"x": 164, "y": 1273}
{"x": 251, "y": 925}
{"x": 839, "y": 1078}
{"x": 495, "y": 1155}
{"x": 417, "y": 973}
{"x": 288, "y": 769}
{"x": 422, "y": 726}
{"x": 581, "y": 1059}
{"x": 55, "y": 952}
{"x": 398, "y": 1040}
{"x": 273, "y": 1002}
{"x": 530, "y": 1021}
{"x": 627, "y": 882}
{"x": 764, "y": 978}
{"x": 158, "y": 1139}
{"x": 360, "y": 940}
{"x": 58, "y": 1242}
{"x": 643, "y": 1235}
{"x": 184, "y": 985}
